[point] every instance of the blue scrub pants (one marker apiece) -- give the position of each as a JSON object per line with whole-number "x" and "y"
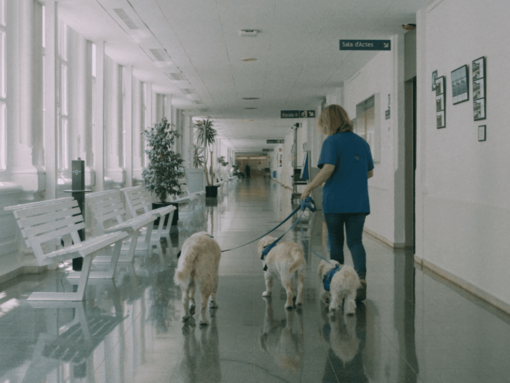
{"x": 354, "y": 223}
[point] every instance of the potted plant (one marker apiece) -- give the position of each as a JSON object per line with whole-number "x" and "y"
{"x": 205, "y": 136}
{"x": 165, "y": 167}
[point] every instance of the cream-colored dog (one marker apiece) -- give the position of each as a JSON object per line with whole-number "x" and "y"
{"x": 199, "y": 261}
{"x": 343, "y": 286}
{"x": 287, "y": 261}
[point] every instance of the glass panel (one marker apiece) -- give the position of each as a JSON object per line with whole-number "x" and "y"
{"x": 63, "y": 92}
{"x": 3, "y": 136}
{"x": 62, "y": 38}
{"x": 65, "y": 145}
{"x": 2, "y": 12}
{"x": 2, "y": 64}
{"x": 93, "y": 60}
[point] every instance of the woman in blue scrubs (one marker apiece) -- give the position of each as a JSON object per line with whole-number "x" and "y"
{"x": 346, "y": 164}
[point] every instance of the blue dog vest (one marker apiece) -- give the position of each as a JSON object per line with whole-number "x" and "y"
{"x": 329, "y": 276}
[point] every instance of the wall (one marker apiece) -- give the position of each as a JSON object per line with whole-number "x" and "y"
{"x": 381, "y": 76}
{"x": 463, "y": 204}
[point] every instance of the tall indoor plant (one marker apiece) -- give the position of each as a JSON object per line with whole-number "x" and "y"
{"x": 205, "y": 136}
{"x": 165, "y": 167}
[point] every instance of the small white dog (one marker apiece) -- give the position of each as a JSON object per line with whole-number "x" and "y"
{"x": 339, "y": 282}
{"x": 286, "y": 260}
{"x": 199, "y": 261}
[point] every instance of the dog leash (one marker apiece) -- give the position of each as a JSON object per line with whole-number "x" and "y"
{"x": 305, "y": 244}
{"x": 308, "y": 203}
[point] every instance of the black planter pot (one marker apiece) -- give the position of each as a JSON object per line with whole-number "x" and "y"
{"x": 156, "y": 205}
{"x": 211, "y": 191}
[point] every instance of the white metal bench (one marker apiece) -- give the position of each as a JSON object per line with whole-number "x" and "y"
{"x": 138, "y": 199}
{"x": 109, "y": 214}
{"x": 45, "y": 224}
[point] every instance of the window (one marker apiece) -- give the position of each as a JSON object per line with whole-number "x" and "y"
{"x": 3, "y": 92}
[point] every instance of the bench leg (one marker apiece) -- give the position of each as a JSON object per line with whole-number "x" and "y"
{"x": 77, "y": 296}
{"x": 166, "y": 232}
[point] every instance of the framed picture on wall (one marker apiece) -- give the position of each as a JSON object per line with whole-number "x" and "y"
{"x": 434, "y": 78}
{"x": 460, "y": 85}
{"x": 440, "y": 102}
{"x": 479, "y": 89}
{"x": 482, "y": 136}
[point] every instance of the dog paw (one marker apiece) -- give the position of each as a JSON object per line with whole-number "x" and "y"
{"x": 289, "y": 306}
{"x": 266, "y": 294}
{"x": 213, "y": 305}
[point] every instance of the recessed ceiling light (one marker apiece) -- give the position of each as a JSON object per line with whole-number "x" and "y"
{"x": 249, "y": 59}
{"x": 251, "y": 98}
{"x": 250, "y": 108}
{"x": 248, "y": 32}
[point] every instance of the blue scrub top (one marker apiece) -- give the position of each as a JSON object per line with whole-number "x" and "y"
{"x": 346, "y": 191}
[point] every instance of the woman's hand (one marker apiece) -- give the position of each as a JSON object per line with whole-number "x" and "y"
{"x": 305, "y": 193}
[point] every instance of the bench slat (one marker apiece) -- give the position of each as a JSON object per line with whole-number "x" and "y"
{"x": 31, "y": 221}
{"x": 57, "y": 233}
{"x": 49, "y": 208}
{"x": 32, "y": 231}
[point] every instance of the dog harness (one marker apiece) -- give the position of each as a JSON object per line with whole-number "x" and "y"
{"x": 329, "y": 276}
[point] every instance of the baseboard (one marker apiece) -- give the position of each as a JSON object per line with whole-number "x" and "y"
{"x": 386, "y": 241}
{"x": 470, "y": 288}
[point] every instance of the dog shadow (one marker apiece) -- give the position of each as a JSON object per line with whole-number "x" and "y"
{"x": 280, "y": 340}
{"x": 200, "y": 357}
{"x": 346, "y": 337}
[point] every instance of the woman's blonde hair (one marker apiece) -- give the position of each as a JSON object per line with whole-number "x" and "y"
{"x": 333, "y": 119}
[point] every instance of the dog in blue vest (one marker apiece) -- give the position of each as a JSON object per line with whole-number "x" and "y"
{"x": 286, "y": 261}
{"x": 339, "y": 282}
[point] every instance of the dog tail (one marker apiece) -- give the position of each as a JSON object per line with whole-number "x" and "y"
{"x": 297, "y": 259}
{"x": 185, "y": 268}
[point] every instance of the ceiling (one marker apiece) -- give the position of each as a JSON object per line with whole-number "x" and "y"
{"x": 192, "y": 50}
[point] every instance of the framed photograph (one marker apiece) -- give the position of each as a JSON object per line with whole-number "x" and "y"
{"x": 434, "y": 77}
{"x": 440, "y": 103}
{"x": 479, "y": 109}
{"x": 440, "y": 119}
{"x": 478, "y": 88}
{"x": 482, "y": 133}
{"x": 479, "y": 68}
{"x": 460, "y": 85}
{"x": 440, "y": 85}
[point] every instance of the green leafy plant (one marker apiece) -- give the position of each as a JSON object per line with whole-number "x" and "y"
{"x": 205, "y": 136}
{"x": 221, "y": 161}
{"x": 198, "y": 157}
{"x": 165, "y": 166}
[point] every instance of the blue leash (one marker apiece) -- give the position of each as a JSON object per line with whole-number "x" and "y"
{"x": 308, "y": 203}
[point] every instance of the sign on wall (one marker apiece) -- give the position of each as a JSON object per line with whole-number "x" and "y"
{"x": 297, "y": 114}
{"x": 365, "y": 45}
{"x": 275, "y": 141}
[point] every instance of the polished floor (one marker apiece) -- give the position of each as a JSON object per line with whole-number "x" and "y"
{"x": 414, "y": 326}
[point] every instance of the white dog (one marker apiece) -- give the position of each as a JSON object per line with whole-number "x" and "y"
{"x": 199, "y": 261}
{"x": 287, "y": 261}
{"x": 343, "y": 282}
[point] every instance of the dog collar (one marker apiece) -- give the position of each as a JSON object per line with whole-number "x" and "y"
{"x": 329, "y": 276}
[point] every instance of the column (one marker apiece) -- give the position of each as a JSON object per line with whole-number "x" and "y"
{"x": 149, "y": 114}
{"x": 50, "y": 120}
{"x": 128, "y": 124}
{"x": 138, "y": 127}
{"x": 113, "y": 117}
{"x": 99, "y": 117}
{"x": 25, "y": 92}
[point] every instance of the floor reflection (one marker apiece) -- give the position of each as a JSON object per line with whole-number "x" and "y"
{"x": 346, "y": 337}
{"x": 280, "y": 340}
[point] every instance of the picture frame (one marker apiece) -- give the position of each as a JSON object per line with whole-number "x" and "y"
{"x": 479, "y": 109}
{"x": 440, "y": 102}
{"x": 460, "y": 84}
{"x": 482, "y": 133}
{"x": 434, "y": 77}
{"x": 479, "y": 89}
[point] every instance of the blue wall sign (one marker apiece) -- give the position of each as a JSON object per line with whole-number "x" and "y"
{"x": 365, "y": 45}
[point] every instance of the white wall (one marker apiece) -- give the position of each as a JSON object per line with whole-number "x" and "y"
{"x": 463, "y": 203}
{"x": 380, "y": 77}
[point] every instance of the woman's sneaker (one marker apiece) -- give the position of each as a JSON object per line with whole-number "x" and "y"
{"x": 361, "y": 293}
